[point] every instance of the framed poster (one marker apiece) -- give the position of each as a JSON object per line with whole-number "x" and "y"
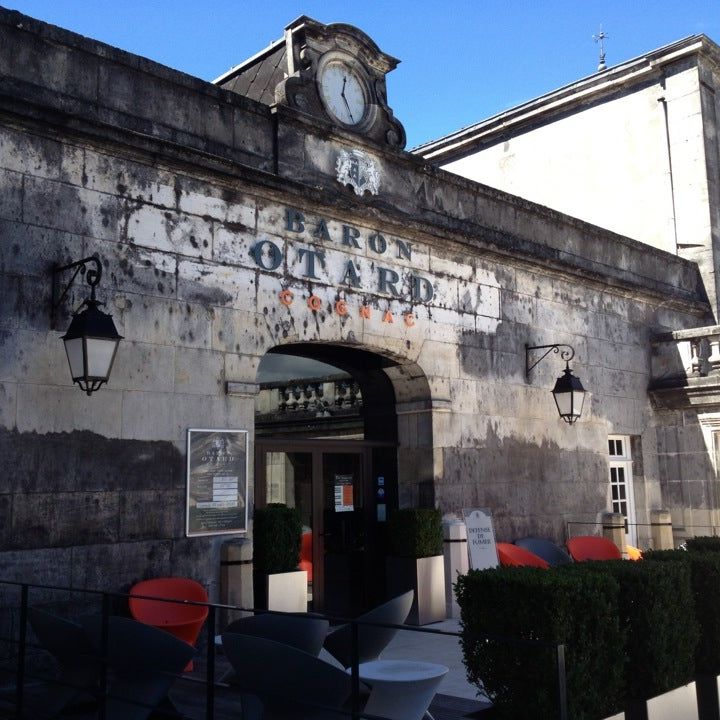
{"x": 217, "y": 486}
{"x": 344, "y": 493}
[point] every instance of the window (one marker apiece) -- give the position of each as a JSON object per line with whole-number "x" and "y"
{"x": 621, "y": 494}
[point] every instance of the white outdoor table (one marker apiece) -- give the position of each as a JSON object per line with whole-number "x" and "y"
{"x": 400, "y": 689}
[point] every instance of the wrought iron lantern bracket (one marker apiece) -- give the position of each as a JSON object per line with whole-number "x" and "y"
{"x": 92, "y": 276}
{"x": 567, "y": 354}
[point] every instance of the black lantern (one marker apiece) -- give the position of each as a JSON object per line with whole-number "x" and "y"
{"x": 92, "y": 340}
{"x": 569, "y": 396}
{"x": 569, "y": 393}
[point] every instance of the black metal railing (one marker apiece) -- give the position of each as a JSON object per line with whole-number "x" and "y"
{"x": 680, "y": 532}
{"x": 15, "y": 658}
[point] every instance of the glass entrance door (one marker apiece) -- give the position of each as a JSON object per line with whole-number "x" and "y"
{"x": 287, "y": 479}
{"x": 344, "y": 532}
{"x": 342, "y": 490}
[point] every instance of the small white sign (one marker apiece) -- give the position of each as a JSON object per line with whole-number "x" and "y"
{"x": 482, "y": 550}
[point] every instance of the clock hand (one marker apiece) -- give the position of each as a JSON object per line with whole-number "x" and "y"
{"x": 352, "y": 119}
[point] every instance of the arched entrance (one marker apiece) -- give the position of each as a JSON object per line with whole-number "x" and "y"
{"x": 327, "y": 438}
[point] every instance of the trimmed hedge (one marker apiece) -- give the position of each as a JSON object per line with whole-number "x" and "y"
{"x": 578, "y": 610}
{"x": 656, "y": 610}
{"x": 277, "y": 531}
{"x": 415, "y": 533}
{"x": 705, "y": 578}
{"x": 629, "y": 628}
{"x": 703, "y": 543}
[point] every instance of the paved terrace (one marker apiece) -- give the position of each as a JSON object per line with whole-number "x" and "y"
{"x": 456, "y": 698}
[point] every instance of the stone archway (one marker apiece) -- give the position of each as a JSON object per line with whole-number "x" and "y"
{"x": 398, "y": 407}
{"x": 316, "y": 444}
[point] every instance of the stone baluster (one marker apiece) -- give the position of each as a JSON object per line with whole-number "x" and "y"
{"x": 714, "y": 358}
{"x": 701, "y": 353}
{"x": 295, "y": 395}
{"x": 340, "y": 393}
{"x": 694, "y": 357}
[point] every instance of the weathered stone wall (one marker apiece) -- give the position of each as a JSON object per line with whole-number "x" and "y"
{"x": 184, "y": 219}
{"x": 103, "y": 477}
{"x": 687, "y": 469}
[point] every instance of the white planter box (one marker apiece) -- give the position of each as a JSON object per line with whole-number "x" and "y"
{"x": 287, "y": 592}
{"x": 426, "y": 576}
{"x": 678, "y": 704}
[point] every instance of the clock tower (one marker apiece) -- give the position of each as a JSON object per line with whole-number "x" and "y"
{"x": 335, "y": 73}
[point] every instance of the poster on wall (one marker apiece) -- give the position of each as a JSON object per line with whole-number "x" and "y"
{"x": 344, "y": 493}
{"x": 217, "y": 462}
{"x": 482, "y": 549}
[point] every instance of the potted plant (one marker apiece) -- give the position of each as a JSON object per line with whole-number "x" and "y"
{"x": 415, "y": 562}
{"x": 278, "y": 584}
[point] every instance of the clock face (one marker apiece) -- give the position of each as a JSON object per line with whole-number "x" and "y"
{"x": 344, "y": 93}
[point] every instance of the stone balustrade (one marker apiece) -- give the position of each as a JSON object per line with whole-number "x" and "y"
{"x": 685, "y": 367}
{"x": 686, "y": 353}
{"x": 320, "y": 397}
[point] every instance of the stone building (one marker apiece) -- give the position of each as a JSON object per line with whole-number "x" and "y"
{"x": 634, "y": 149}
{"x": 273, "y": 220}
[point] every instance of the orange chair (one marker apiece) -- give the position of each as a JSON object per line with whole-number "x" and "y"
{"x": 592, "y": 547}
{"x": 306, "y": 554}
{"x": 514, "y": 555}
{"x": 633, "y": 553}
{"x": 179, "y": 619}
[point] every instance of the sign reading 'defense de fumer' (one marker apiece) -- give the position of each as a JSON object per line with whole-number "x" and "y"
{"x": 482, "y": 550}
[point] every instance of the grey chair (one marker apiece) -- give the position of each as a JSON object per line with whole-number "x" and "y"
{"x": 551, "y": 553}
{"x": 371, "y": 640}
{"x": 143, "y": 663}
{"x": 280, "y": 682}
{"x": 304, "y": 632}
{"x": 77, "y": 659}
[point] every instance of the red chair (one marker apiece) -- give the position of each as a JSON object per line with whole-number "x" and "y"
{"x": 592, "y": 547}
{"x": 514, "y": 555}
{"x": 179, "y": 619}
{"x": 306, "y": 554}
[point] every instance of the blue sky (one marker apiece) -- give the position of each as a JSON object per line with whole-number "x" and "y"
{"x": 462, "y": 60}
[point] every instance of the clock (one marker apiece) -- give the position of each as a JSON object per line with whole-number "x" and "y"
{"x": 344, "y": 91}
{"x": 334, "y": 74}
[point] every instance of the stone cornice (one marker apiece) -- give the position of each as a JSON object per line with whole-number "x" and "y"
{"x": 700, "y": 393}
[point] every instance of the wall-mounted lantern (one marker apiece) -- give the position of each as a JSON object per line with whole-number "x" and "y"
{"x": 92, "y": 340}
{"x": 569, "y": 394}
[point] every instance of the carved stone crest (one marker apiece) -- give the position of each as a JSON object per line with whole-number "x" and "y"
{"x": 359, "y": 170}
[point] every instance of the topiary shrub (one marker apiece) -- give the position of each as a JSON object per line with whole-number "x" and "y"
{"x": 415, "y": 533}
{"x": 703, "y": 543}
{"x": 277, "y": 530}
{"x": 705, "y": 579}
{"x": 657, "y": 619}
{"x": 578, "y": 610}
